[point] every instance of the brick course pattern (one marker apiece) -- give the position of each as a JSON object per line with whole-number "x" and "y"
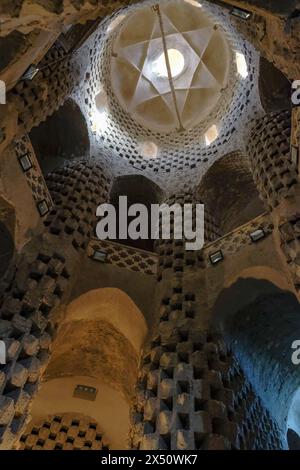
{"x": 173, "y": 257}
{"x": 34, "y": 176}
{"x": 53, "y": 13}
{"x": 238, "y": 239}
{"x": 35, "y": 100}
{"x": 269, "y": 152}
{"x": 38, "y": 284}
{"x": 277, "y": 179}
{"x": 191, "y": 392}
{"x": 25, "y": 327}
{"x": 125, "y": 257}
{"x": 77, "y": 190}
{"x": 63, "y": 432}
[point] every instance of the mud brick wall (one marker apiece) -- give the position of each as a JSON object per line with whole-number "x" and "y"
{"x": 33, "y": 176}
{"x": 276, "y": 39}
{"x": 239, "y": 238}
{"x": 173, "y": 256}
{"x": 66, "y": 431}
{"x": 125, "y": 257}
{"x": 30, "y": 102}
{"x": 191, "y": 392}
{"x": 26, "y": 15}
{"x": 77, "y": 190}
{"x": 39, "y": 283}
{"x": 277, "y": 181}
{"x": 269, "y": 152}
{"x": 35, "y": 288}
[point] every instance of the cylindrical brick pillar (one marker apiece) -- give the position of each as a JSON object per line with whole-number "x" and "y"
{"x": 41, "y": 282}
{"x": 191, "y": 392}
{"x": 277, "y": 179}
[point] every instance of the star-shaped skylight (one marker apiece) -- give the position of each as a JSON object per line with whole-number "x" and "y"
{"x": 170, "y": 74}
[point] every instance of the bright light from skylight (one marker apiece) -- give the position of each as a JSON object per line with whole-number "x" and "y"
{"x": 115, "y": 23}
{"x": 176, "y": 61}
{"x": 99, "y": 122}
{"x": 211, "y": 134}
{"x": 194, "y": 3}
{"x": 100, "y": 115}
{"x": 241, "y": 64}
{"x": 148, "y": 149}
{"x": 101, "y": 101}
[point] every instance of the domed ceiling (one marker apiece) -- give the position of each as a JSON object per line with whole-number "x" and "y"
{"x": 128, "y": 99}
{"x": 169, "y": 66}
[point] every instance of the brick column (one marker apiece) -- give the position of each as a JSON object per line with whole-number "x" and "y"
{"x": 191, "y": 392}
{"x": 277, "y": 179}
{"x": 40, "y": 283}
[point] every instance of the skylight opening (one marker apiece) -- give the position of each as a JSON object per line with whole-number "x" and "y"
{"x": 241, "y": 65}
{"x": 211, "y": 135}
{"x": 100, "y": 115}
{"x": 176, "y": 61}
{"x": 99, "y": 122}
{"x": 148, "y": 149}
{"x": 115, "y": 23}
{"x": 194, "y": 3}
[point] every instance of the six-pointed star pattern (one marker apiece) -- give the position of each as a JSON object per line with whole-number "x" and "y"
{"x": 203, "y": 71}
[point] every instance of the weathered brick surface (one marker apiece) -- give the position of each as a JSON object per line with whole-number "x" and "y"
{"x": 39, "y": 283}
{"x": 173, "y": 257}
{"x": 191, "y": 393}
{"x": 277, "y": 179}
{"x": 77, "y": 190}
{"x": 34, "y": 100}
{"x": 66, "y": 431}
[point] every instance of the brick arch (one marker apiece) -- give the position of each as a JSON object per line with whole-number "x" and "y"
{"x": 228, "y": 191}
{"x": 139, "y": 190}
{"x": 97, "y": 346}
{"x": 260, "y": 322}
{"x": 62, "y": 137}
{"x": 274, "y": 87}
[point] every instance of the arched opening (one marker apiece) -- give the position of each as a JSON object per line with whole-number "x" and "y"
{"x": 228, "y": 192}
{"x": 260, "y": 322}
{"x": 274, "y": 88}
{"x": 62, "y": 137}
{"x": 93, "y": 367}
{"x": 138, "y": 190}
